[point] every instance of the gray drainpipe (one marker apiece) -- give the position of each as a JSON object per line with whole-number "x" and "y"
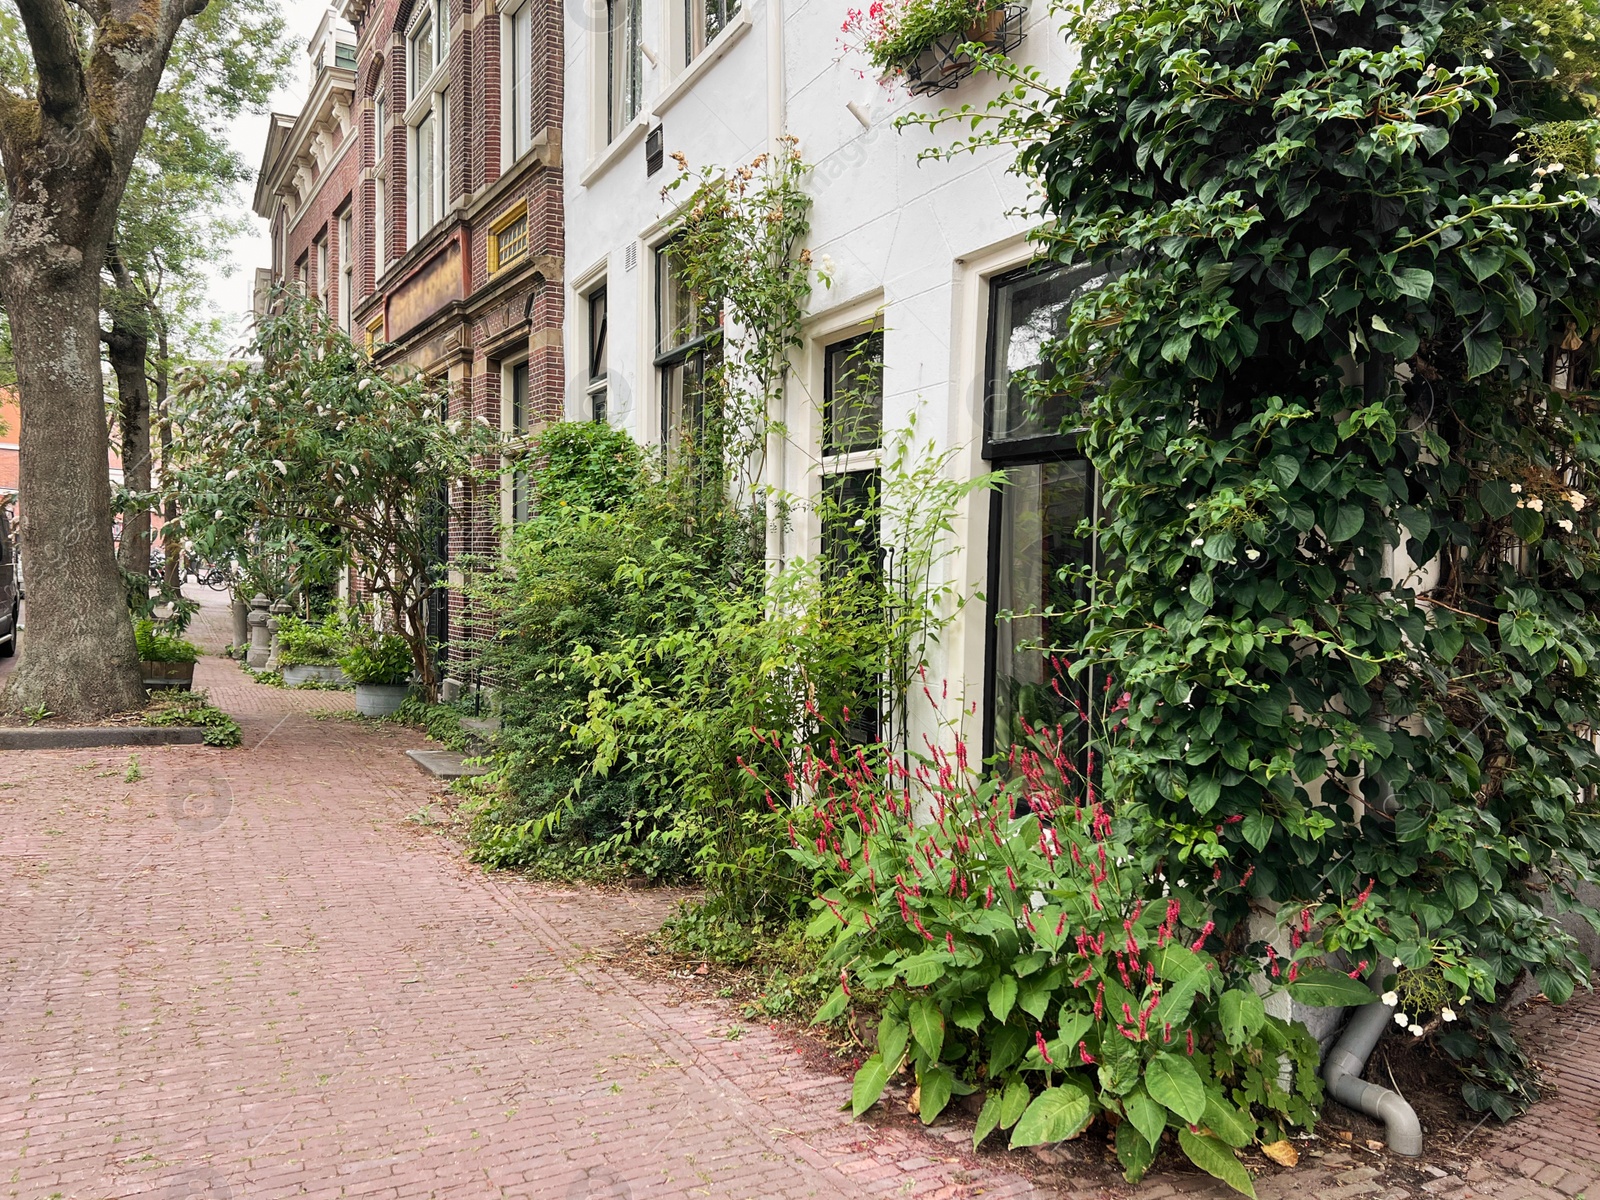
{"x": 1341, "y": 1070}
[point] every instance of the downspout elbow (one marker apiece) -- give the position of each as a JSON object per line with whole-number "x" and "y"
{"x": 1342, "y": 1073}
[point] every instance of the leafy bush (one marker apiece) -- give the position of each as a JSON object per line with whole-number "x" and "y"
{"x": 376, "y": 658}
{"x": 303, "y": 643}
{"x": 1021, "y": 946}
{"x": 193, "y": 709}
{"x": 155, "y": 646}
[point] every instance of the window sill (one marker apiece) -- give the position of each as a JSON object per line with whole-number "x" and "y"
{"x": 620, "y": 145}
{"x": 709, "y": 57}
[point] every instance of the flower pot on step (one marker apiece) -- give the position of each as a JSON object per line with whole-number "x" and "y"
{"x": 380, "y": 699}
{"x": 314, "y": 673}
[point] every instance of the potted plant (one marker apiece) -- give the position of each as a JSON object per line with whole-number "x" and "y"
{"x": 380, "y": 665}
{"x": 309, "y": 652}
{"x": 920, "y": 40}
{"x": 166, "y": 660}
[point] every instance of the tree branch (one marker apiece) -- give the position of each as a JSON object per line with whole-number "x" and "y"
{"x": 56, "y": 58}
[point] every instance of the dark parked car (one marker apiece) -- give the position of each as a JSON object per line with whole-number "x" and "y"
{"x": 10, "y": 588}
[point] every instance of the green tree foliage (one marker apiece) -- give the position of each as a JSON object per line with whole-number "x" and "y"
{"x": 1338, "y": 381}
{"x": 315, "y": 450}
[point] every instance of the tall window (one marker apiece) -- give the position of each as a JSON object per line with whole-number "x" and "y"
{"x": 1040, "y": 556}
{"x": 380, "y": 227}
{"x": 516, "y": 383}
{"x": 687, "y": 349}
{"x": 428, "y": 117}
{"x": 516, "y": 96}
{"x": 597, "y": 354}
{"x": 380, "y": 124}
{"x": 624, "y": 64}
{"x": 703, "y": 20}
{"x": 347, "y": 269}
{"x": 852, "y": 442}
{"x": 324, "y": 275}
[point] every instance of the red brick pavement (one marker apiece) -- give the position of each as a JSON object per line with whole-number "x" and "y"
{"x": 245, "y": 974}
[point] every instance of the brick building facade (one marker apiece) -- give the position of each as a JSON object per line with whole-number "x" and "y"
{"x": 418, "y": 196}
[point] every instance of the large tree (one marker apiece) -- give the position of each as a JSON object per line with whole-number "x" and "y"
{"x": 72, "y": 113}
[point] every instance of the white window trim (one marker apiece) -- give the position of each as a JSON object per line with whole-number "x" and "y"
{"x": 438, "y": 106}
{"x": 347, "y": 267}
{"x": 507, "y": 366}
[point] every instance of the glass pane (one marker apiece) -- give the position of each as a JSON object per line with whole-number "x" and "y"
{"x": 597, "y": 401}
{"x": 1041, "y": 507}
{"x": 681, "y": 316}
{"x": 422, "y": 183}
{"x": 683, "y": 400}
{"x": 422, "y": 60}
{"x": 597, "y": 335}
{"x": 519, "y": 424}
{"x": 852, "y": 408}
{"x": 622, "y": 18}
{"x": 850, "y": 534}
{"x": 1030, "y": 312}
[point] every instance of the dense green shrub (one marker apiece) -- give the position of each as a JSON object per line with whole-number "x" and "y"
{"x": 307, "y": 643}
{"x": 194, "y": 709}
{"x": 375, "y": 657}
{"x": 156, "y": 646}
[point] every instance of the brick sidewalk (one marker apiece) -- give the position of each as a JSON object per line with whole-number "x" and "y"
{"x": 247, "y": 975}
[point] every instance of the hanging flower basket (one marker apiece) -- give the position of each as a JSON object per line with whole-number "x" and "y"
{"x": 919, "y": 41}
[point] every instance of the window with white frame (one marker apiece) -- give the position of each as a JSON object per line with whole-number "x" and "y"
{"x": 516, "y": 92}
{"x": 688, "y": 351}
{"x": 598, "y": 366}
{"x": 380, "y": 123}
{"x": 427, "y": 117}
{"x": 347, "y": 268}
{"x": 624, "y": 64}
{"x": 703, "y": 21}
{"x": 380, "y": 227}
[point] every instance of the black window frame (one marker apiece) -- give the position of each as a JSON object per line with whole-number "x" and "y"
{"x": 698, "y": 353}
{"x": 520, "y": 497}
{"x": 845, "y": 347}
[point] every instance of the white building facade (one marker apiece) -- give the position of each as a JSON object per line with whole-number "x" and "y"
{"x": 931, "y": 257}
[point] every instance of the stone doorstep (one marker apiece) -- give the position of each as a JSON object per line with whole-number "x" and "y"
{"x": 82, "y": 737}
{"x": 444, "y": 764}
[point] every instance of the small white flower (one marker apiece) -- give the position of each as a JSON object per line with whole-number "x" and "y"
{"x": 1252, "y": 554}
{"x": 1416, "y": 1031}
{"x": 1536, "y": 504}
{"x": 1398, "y": 963}
{"x": 282, "y": 470}
{"x": 219, "y": 514}
{"x": 1190, "y": 507}
{"x": 1447, "y": 1014}
{"x": 1515, "y": 488}
{"x": 1390, "y": 998}
{"x": 1577, "y": 500}
{"x": 1402, "y": 1020}
{"x": 1198, "y": 542}
{"x": 1536, "y": 187}
{"x": 1566, "y": 525}
{"x": 1554, "y": 167}
{"x": 1464, "y": 999}
{"x": 363, "y": 385}
{"x": 1514, "y": 158}
{"x": 1487, "y": 55}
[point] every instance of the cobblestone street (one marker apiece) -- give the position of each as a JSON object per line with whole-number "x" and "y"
{"x": 246, "y": 974}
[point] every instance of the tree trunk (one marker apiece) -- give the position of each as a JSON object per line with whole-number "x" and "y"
{"x": 78, "y": 659}
{"x": 173, "y": 575}
{"x": 128, "y": 348}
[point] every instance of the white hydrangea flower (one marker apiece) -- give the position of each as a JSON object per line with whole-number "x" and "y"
{"x": 1398, "y": 963}
{"x": 1515, "y": 488}
{"x": 1198, "y": 542}
{"x": 1401, "y": 1020}
{"x": 1390, "y": 998}
{"x": 1577, "y": 500}
{"x": 1416, "y": 1031}
{"x": 1252, "y": 554}
{"x": 1566, "y": 525}
{"x": 1536, "y": 504}
{"x": 1447, "y": 1013}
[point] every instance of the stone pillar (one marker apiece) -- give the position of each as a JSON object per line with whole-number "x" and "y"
{"x": 281, "y": 608}
{"x": 260, "y": 635}
{"x": 241, "y": 625}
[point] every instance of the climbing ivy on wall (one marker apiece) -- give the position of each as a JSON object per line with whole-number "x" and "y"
{"x": 1339, "y": 392}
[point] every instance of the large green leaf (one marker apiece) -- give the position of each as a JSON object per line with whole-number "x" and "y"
{"x": 988, "y": 1118}
{"x": 832, "y": 1007}
{"x": 1002, "y": 995}
{"x": 871, "y": 1078}
{"x": 1319, "y": 987}
{"x": 1145, "y": 1114}
{"x": 1055, "y": 1115}
{"x": 1483, "y": 353}
{"x": 1007, "y": 1045}
{"x": 1173, "y": 1081}
{"x": 1214, "y": 1158}
{"x": 1227, "y": 1122}
{"x": 937, "y": 1083}
{"x": 1242, "y": 1015}
{"x": 1014, "y": 1103}
{"x": 927, "y": 1027}
{"x": 1134, "y": 1152}
{"x": 892, "y": 1033}
{"x": 1347, "y": 522}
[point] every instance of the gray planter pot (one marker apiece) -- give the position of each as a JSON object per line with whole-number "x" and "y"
{"x": 314, "y": 673}
{"x": 380, "y": 699}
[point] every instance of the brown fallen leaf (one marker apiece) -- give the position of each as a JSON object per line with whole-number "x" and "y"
{"x": 1281, "y": 1152}
{"x": 1374, "y": 1144}
{"x": 1346, "y": 1136}
{"x": 914, "y": 1103}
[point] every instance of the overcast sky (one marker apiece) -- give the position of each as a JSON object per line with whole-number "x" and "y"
{"x": 230, "y": 292}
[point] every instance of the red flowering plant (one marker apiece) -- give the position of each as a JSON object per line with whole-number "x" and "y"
{"x": 1018, "y": 944}
{"x": 892, "y": 33}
